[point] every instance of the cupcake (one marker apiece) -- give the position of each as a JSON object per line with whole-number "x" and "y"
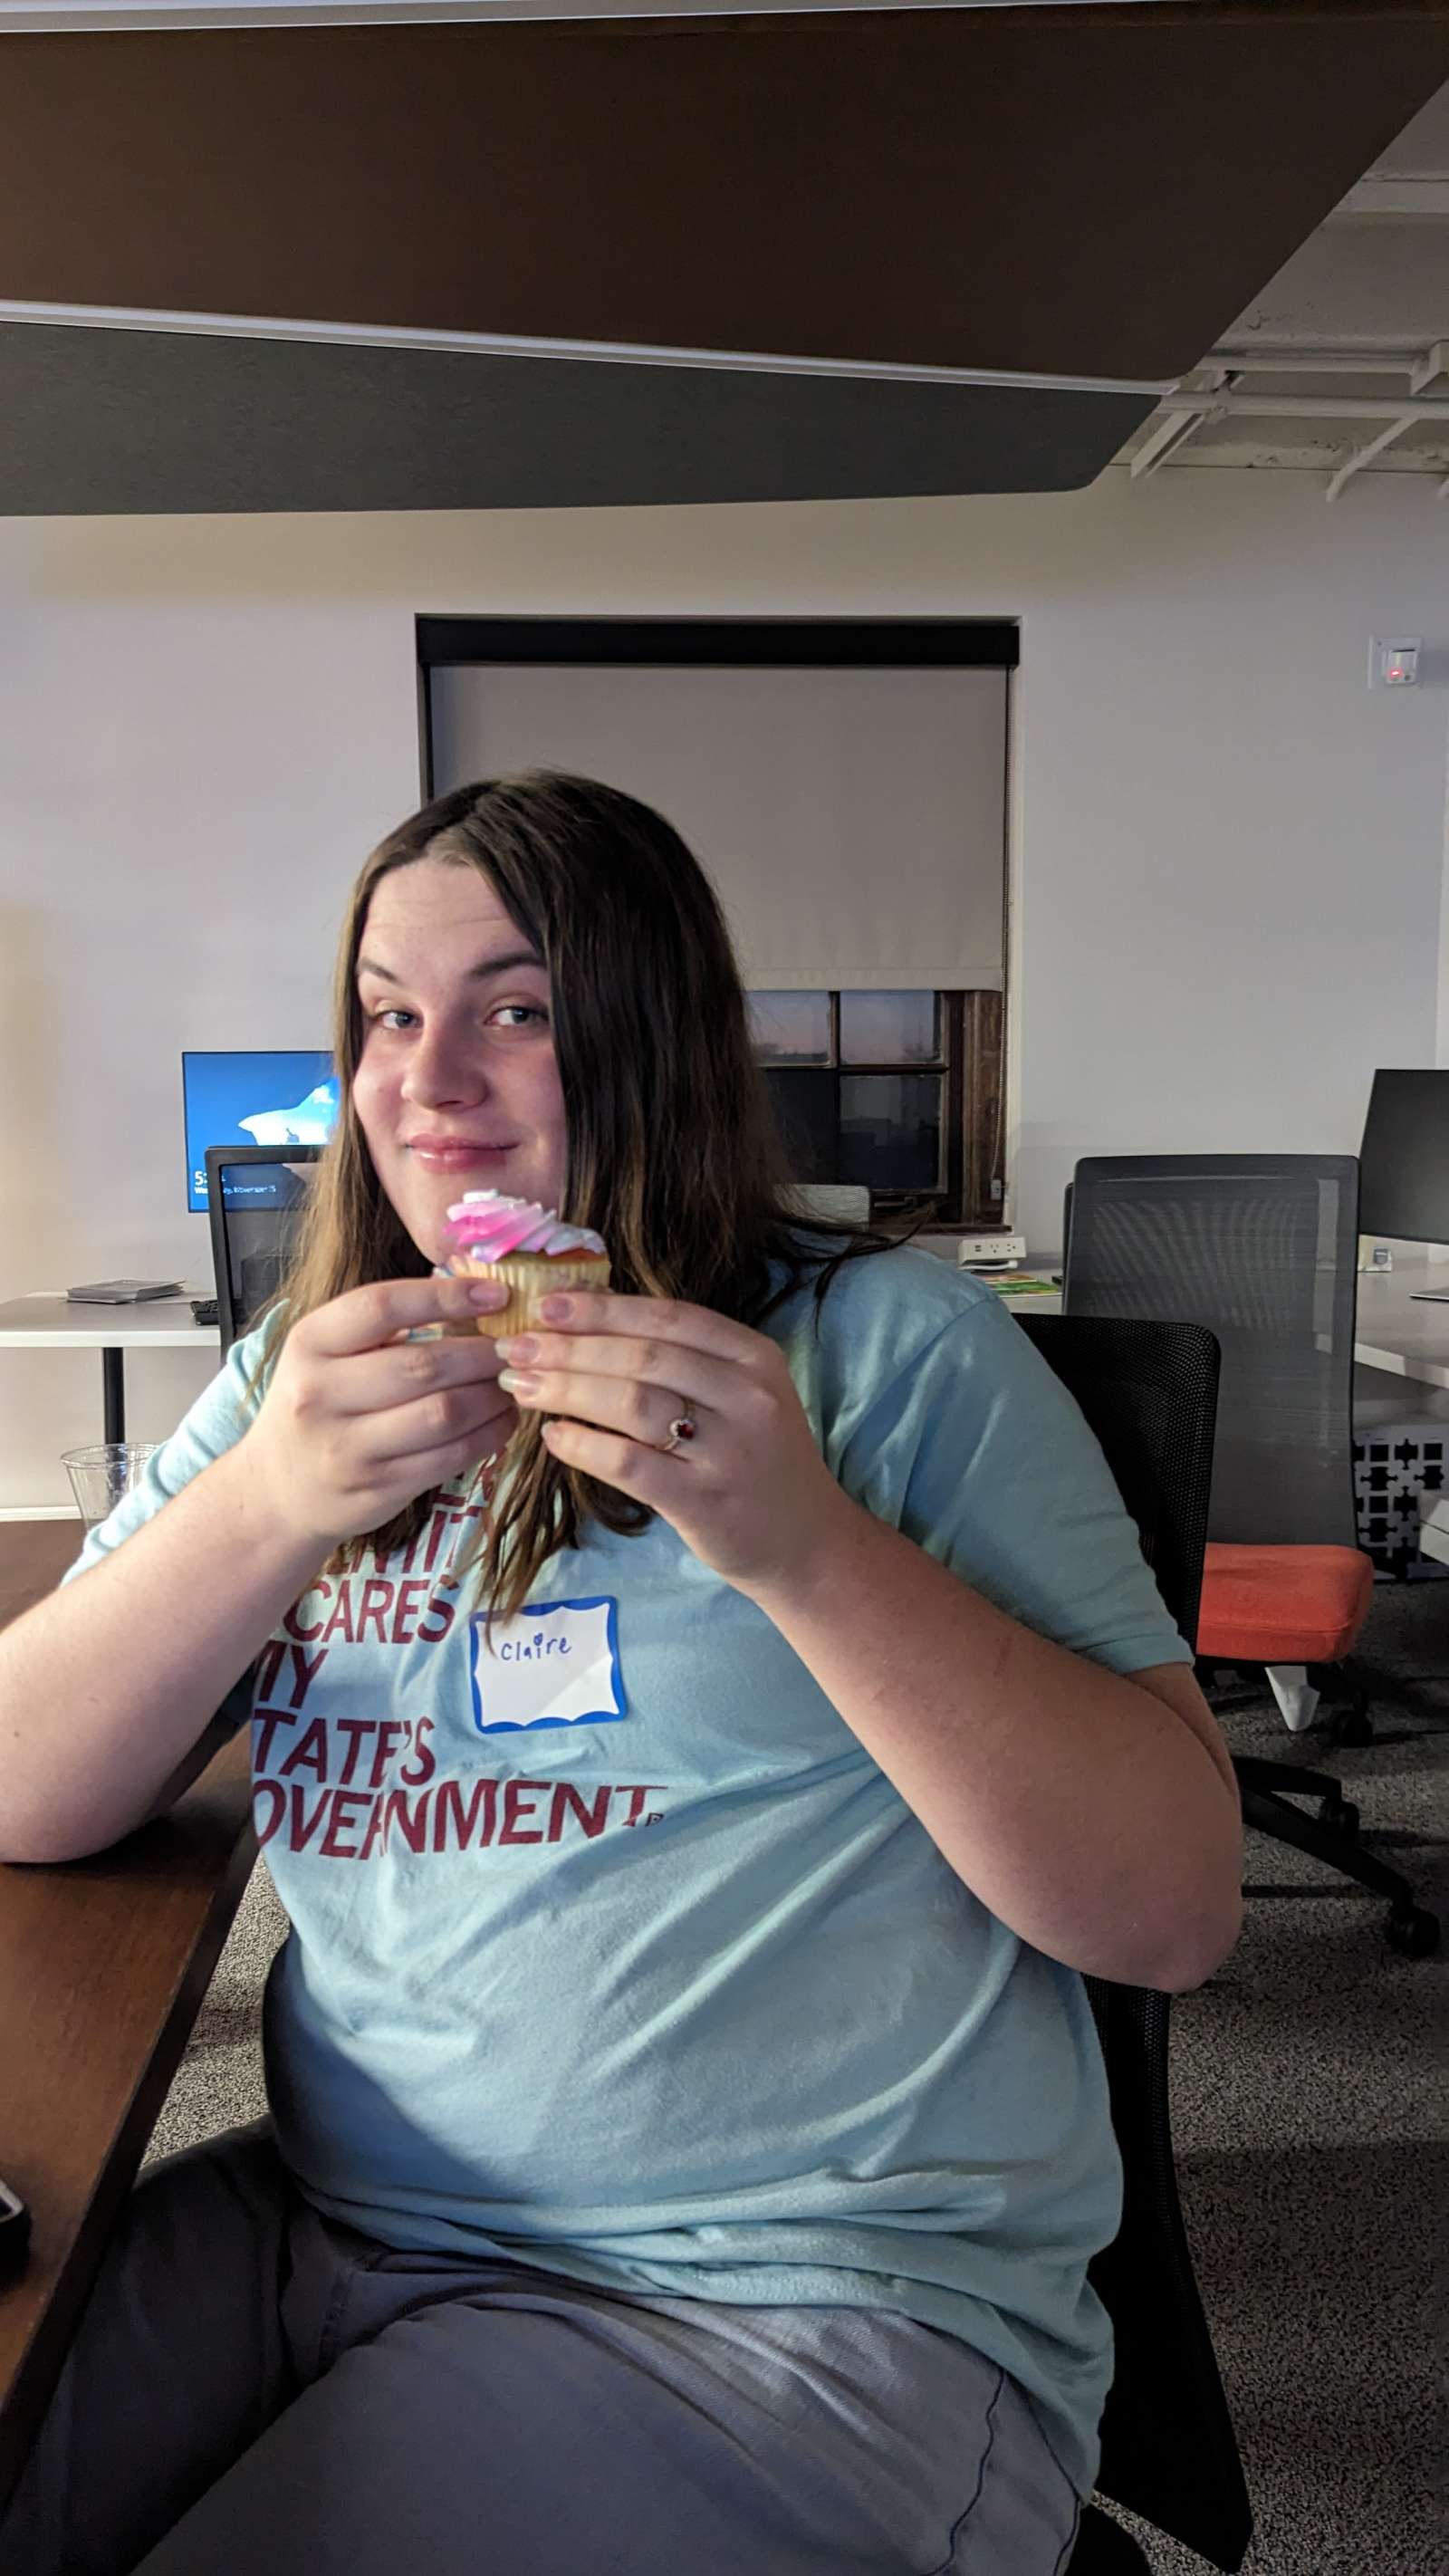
{"x": 489, "y": 1237}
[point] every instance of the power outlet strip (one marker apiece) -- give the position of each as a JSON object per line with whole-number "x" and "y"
{"x": 1001, "y": 1251}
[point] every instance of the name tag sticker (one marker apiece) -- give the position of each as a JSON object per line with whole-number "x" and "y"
{"x": 555, "y": 1663}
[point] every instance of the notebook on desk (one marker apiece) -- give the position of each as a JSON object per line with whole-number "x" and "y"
{"x": 1018, "y": 1283}
{"x": 123, "y": 1292}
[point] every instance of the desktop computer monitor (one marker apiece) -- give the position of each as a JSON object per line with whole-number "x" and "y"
{"x": 257, "y": 1197}
{"x": 253, "y": 1096}
{"x": 1404, "y": 1158}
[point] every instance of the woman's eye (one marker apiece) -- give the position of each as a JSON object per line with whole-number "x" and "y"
{"x": 508, "y": 1015}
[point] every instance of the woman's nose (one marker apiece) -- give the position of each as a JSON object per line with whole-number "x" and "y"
{"x": 442, "y": 1068}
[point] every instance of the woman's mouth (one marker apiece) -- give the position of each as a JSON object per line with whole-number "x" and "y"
{"x": 459, "y": 1157}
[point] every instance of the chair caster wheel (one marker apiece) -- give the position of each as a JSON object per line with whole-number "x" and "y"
{"x": 1414, "y": 1935}
{"x": 1340, "y": 1815}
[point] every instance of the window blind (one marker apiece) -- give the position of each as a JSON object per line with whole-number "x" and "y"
{"x": 852, "y": 820}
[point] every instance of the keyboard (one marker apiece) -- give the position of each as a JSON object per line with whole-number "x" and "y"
{"x": 204, "y": 1311}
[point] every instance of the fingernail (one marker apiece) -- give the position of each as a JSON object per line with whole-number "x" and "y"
{"x": 489, "y": 1292}
{"x": 556, "y": 1310}
{"x": 518, "y": 1346}
{"x": 517, "y": 1382}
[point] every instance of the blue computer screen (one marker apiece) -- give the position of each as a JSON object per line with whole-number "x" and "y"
{"x": 266, "y": 1096}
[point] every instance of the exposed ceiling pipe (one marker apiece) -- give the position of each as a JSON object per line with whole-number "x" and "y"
{"x": 67, "y": 17}
{"x": 1159, "y": 438}
{"x": 1351, "y": 345}
{"x": 1311, "y": 406}
{"x": 1365, "y": 455}
{"x": 1211, "y": 393}
{"x": 1168, "y": 435}
{"x": 1325, "y": 362}
{"x": 1172, "y": 432}
{"x": 1419, "y": 195}
{"x": 380, "y": 335}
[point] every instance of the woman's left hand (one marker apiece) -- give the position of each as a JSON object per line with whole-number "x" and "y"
{"x": 693, "y": 1415}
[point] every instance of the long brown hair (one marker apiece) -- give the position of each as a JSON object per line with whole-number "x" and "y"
{"x": 673, "y": 1153}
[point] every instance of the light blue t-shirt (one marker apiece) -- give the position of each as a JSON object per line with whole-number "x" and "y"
{"x": 613, "y": 1951}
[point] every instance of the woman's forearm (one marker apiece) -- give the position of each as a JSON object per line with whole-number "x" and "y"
{"x": 106, "y": 1685}
{"x": 1082, "y": 1810}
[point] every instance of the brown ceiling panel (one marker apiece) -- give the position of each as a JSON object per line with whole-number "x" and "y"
{"x": 1073, "y": 191}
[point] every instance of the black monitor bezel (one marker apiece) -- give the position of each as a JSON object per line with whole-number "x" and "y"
{"x": 219, "y": 1157}
{"x": 1372, "y": 1215}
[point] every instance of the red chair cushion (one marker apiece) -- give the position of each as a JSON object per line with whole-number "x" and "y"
{"x": 1282, "y": 1605}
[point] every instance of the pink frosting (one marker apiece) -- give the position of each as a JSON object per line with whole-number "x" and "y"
{"x": 490, "y": 1227}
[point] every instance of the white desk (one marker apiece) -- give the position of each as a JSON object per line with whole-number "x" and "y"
{"x": 1401, "y": 1340}
{"x": 1394, "y": 1334}
{"x": 1044, "y": 1299}
{"x": 1434, "y": 1527}
{"x": 50, "y": 1323}
{"x": 1391, "y": 1332}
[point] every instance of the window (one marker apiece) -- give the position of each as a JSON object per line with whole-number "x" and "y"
{"x": 874, "y": 1089}
{"x": 843, "y": 781}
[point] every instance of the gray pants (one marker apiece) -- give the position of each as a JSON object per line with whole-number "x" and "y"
{"x": 260, "y": 2391}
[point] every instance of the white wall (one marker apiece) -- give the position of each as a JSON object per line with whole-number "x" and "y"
{"x": 1228, "y": 860}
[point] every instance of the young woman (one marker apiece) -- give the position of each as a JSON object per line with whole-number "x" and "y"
{"x": 698, "y": 1744}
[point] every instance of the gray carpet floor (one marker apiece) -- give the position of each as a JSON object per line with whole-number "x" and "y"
{"x": 1309, "y": 2110}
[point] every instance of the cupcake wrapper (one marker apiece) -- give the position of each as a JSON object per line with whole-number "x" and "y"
{"x": 530, "y": 1278}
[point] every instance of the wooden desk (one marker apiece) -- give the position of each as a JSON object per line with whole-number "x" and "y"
{"x": 103, "y": 1966}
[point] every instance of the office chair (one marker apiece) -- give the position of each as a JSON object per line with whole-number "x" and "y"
{"x": 1169, "y": 2454}
{"x": 1262, "y": 1249}
{"x": 255, "y": 1196}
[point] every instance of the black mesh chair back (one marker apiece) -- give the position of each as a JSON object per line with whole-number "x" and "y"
{"x": 256, "y": 1195}
{"x": 1262, "y": 1249}
{"x": 1148, "y": 1391}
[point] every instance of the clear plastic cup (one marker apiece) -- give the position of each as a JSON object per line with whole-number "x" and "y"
{"x": 101, "y": 1475}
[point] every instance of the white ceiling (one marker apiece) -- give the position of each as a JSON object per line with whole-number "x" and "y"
{"x": 1368, "y": 294}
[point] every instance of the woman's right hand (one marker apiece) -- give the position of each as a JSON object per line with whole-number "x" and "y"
{"x": 355, "y": 1422}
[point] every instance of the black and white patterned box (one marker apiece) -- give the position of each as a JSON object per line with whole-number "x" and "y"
{"x": 1392, "y": 1465}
